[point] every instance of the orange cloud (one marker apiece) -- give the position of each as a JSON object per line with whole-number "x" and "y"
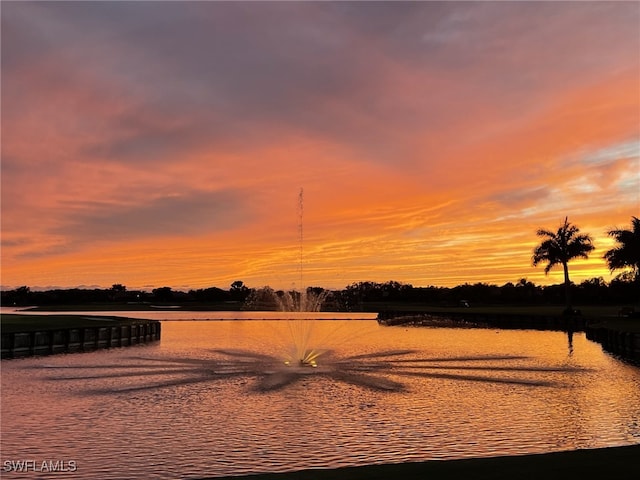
{"x": 430, "y": 147}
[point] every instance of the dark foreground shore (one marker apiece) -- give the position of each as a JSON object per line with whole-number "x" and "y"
{"x": 602, "y": 463}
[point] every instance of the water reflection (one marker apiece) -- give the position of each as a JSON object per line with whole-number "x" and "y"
{"x": 208, "y": 399}
{"x": 383, "y": 371}
{"x": 570, "y": 341}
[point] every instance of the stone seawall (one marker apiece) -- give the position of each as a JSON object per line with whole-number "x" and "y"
{"x": 49, "y": 342}
{"x": 622, "y": 344}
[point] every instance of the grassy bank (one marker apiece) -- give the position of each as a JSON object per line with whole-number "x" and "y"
{"x": 596, "y": 316}
{"x": 603, "y": 463}
{"x": 18, "y": 323}
{"x": 588, "y": 311}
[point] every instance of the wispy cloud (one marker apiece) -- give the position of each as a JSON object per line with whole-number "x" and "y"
{"x": 432, "y": 138}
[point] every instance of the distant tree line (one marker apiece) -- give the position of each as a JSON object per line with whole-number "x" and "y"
{"x": 590, "y": 292}
{"x": 557, "y": 248}
{"x": 119, "y": 294}
{"x": 621, "y": 290}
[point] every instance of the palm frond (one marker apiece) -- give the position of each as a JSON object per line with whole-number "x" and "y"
{"x": 561, "y": 246}
{"x": 627, "y": 253}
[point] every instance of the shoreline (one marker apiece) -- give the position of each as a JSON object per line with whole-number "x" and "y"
{"x": 607, "y": 462}
{"x": 41, "y": 335}
{"x": 619, "y": 336}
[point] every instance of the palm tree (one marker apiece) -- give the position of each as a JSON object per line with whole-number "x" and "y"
{"x": 559, "y": 248}
{"x": 627, "y": 253}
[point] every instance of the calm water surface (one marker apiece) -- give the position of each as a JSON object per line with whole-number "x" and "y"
{"x": 211, "y": 400}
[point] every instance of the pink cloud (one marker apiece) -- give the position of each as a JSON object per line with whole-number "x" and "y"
{"x": 431, "y": 140}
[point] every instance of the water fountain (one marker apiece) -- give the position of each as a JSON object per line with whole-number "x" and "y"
{"x": 303, "y": 300}
{"x": 230, "y": 397}
{"x": 306, "y": 300}
{"x": 266, "y": 298}
{"x": 299, "y": 333}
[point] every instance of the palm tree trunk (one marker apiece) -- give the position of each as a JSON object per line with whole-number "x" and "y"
{"x": 567, "y": 286}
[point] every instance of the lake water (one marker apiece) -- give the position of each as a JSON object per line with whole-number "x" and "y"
{"x": 214, "y": 398}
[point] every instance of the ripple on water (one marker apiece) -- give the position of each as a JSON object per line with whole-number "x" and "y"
{"x": 466, "y": 393}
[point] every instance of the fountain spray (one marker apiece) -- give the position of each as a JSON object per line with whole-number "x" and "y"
{"x": 301, "y": 234}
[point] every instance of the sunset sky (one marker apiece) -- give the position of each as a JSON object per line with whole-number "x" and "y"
{"x": 165, "y": 144}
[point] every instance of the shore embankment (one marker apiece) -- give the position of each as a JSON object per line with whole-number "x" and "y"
{"x": 39, "y": 335}
{"x": 617, "y": 335}
{"x": 613, "y": 462}
{"x": 505, "y": 320}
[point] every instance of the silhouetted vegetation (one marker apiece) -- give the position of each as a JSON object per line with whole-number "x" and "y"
{"x": 355, "y": 297}
{"x": 119, "y": 295}
{"x": 560, "y": 247}
{"x": 627, "y": 253}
